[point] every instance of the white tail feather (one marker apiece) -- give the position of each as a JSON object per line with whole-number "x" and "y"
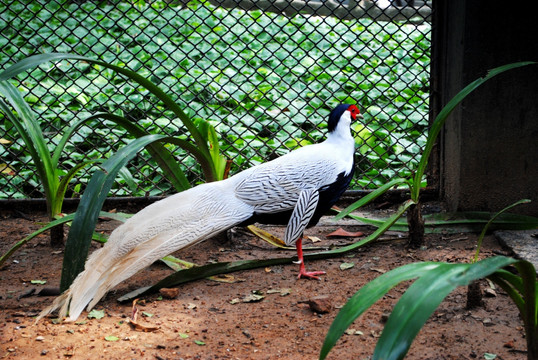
{"x": 156, "y": 231}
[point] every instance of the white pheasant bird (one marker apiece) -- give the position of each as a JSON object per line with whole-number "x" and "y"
{"x": 295, "y": 189}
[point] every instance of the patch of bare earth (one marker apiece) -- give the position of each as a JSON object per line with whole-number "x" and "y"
{"x": 209, "y": 320}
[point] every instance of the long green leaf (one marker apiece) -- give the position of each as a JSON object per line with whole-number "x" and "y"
{"x": 58, "y": 199}
{"x": 387, "y": 224}
{"x": 79, "y": 238}
{"x": 472, "y": 221}
{"x": 20, "y": 243}
{"x": 443, "y": 115}
{"x": 62, "y": 220}
{"x": 32, "y": 62}
{"x": 530, "y": 316}
{"x": 370, "y": 197}
{"x": 483, "y": 233}
{"x": 30, "y": 131}
{"x": 366, "y": 297}
{"x": 422, "y": 298}
{"x": 435, "y": 281}
{"x": 157, "y": 150}
{"x": 510, "y": 284}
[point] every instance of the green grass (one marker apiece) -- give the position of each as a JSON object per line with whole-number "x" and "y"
{"x": 266, "y": 82}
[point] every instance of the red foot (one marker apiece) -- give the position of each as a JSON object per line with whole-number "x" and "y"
{"x": 302, "y": 271}
{"x": 310, "y": 274}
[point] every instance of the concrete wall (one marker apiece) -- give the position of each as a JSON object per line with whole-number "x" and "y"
{"x": 488, "y": 152}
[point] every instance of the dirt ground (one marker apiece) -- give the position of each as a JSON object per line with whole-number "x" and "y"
{"x": 212, "y": 320}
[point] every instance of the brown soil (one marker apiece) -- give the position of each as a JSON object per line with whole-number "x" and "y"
{"x": 204, "y": 322}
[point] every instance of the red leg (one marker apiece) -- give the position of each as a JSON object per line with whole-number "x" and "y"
{"x": 302, "y": 270}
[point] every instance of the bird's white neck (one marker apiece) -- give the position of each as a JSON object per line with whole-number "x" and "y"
{"x": 341, "y": 135}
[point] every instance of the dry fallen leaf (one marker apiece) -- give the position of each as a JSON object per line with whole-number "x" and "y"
{"x": 314, "y": 239}
{"x": 135, "y": 324}
{"x": 264, "y": 235}
{"x": 252, "y": 298}
{"x": 282, "y": 292}
{"x": 344, "y": 233}
{"x": 381, "y": 271}
{"x": 226, "y": 278}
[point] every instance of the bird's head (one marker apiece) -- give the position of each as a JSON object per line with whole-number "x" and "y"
{"x": 343, "y": 115}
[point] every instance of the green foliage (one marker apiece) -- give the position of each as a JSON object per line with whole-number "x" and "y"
{"x": 434, "y": 282}
{"x": 414, "y": 220}
{"x": 460, "y": 222}
{"x": 266, "y": 82}
{"x": 46, "y": 162}
{"x": 80, "y": 234}
{"x": 203, "y": 146}
{"x": 63, "y": 220}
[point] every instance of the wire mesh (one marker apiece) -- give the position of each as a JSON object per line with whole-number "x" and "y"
{"x": 266, "y": 78}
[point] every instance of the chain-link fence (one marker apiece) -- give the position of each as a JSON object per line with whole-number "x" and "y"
{"x": 265, "y": 74}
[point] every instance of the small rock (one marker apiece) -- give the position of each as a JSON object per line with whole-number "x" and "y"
{"x": 40, "y": 338}
{"x": 509, "y": 344}
{"x": 488, "y": 322}
{"x": 489, "y": 292}
{"x": 169, "y": 293}
{"x": 320, "y": 304}
{"x": 44, "y": 352}
{"x": 354, "y": 332}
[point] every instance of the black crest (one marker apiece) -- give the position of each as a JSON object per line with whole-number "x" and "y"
{"x": 335, "y": 115}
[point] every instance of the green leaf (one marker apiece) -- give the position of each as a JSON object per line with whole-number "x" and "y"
{"x": 483, "y": 233}
{"x": 443, "y": 115}
{"x": 62, "y": 220}
{"x": 96, "y": 314}
{"x": 111, "y": 338}
{"x": 159, "y": 153}
{"x": 38, "y": 282}
{"x": 370, "y": 197}
{"x": 28, "y": 128}
{"x": 79, "y": 238}
{"x": 435, "y": 281}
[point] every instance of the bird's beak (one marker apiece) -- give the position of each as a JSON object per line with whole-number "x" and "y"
{"x": 360, "y": 116}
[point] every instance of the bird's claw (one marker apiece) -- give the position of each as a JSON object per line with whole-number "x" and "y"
{"x": 310, "y": 274}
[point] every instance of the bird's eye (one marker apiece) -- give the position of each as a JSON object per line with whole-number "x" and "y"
{"x": 353, "y": 110}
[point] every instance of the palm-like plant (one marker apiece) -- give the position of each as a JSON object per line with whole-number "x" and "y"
{"x": 203, "y": 145}
{"x": 434, "y": 281}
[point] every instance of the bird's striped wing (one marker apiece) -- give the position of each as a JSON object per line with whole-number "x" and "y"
{"x": 278, "y": 188}
{"x": 301, "y": 215}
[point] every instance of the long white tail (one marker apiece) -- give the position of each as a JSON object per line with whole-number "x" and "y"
{"x": 166, "y": 226}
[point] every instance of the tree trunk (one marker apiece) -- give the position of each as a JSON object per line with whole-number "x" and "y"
{"x": 474, "y": 295}
{"x": 57, "y": 236}
{"x": 416, "y": 227}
